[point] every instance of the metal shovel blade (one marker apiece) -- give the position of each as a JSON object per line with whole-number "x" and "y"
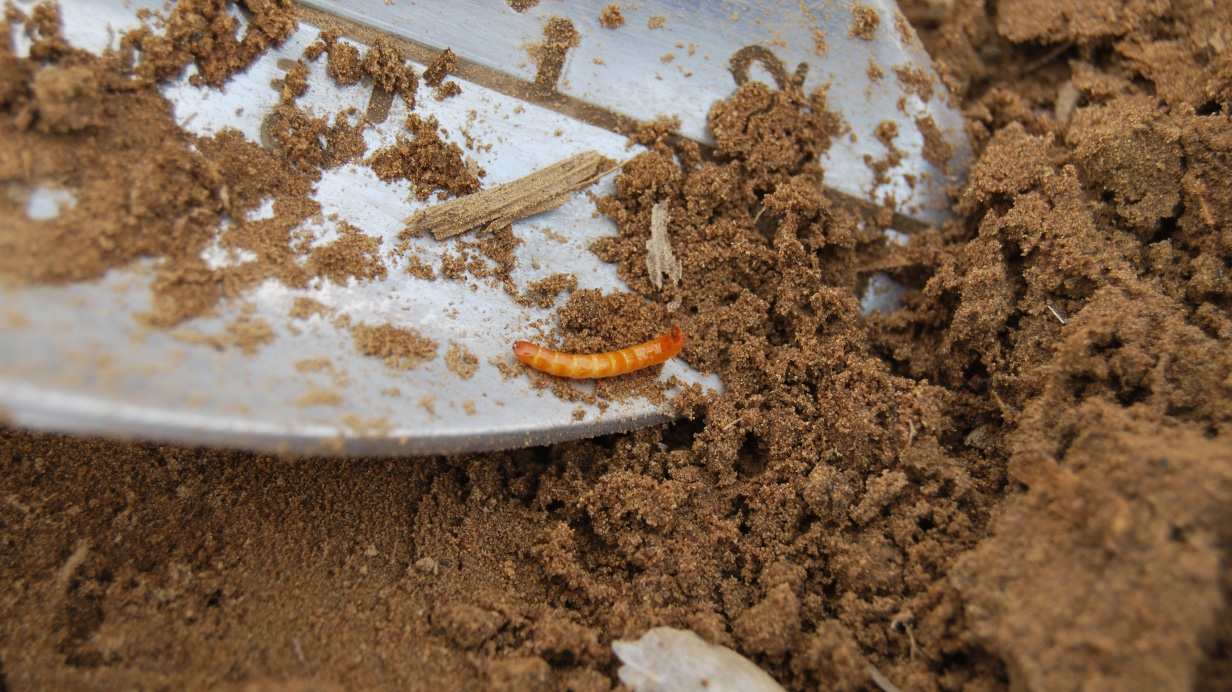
{"x": 75, "y": 358}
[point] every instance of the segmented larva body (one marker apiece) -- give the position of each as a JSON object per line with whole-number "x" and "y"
{"x": 610, "y": 364}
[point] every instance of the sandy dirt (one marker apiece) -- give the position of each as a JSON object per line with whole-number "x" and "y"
{"x": 1022, "y": 480}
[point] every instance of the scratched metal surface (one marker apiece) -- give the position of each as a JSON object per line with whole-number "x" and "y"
{"x": 681, "y": 66}
{"x": 75, "y": 359}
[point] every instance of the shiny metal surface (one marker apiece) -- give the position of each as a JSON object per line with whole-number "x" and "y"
{"x": 673, "y": 58}
{"x": 73, "y": 358}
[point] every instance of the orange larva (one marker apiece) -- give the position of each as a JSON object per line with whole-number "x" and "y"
{"x": 610, "y": 364}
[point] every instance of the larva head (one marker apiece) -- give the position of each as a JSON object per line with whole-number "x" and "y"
{"x": 676, "y": 336}
{"x": 524, "y": 350}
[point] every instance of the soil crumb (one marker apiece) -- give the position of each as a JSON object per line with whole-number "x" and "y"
{"x": 434, "y": 76}
{"x": 402, "y": 348}
{"x": 303, "y": 308}
{"x": 430, "y": 163}
{"x": 419, "y": 269}
{"x": 313, "y": 365}
{"x": 445, "y": 91}
{"x": 558, "y": 37}
{"x": 865, "y": 21}
{"x": 461, "y": 362}
{"x": 352, "y": 255}
{"x": 544, "y": 292}
{"x": 249, "y": 333}
{"x": 387, "y": 65}
{"x": 344, "y": 63}
{"x": 444, "y": 63}
{"x": 245, "y": 332}
{"x": 204, "y": 32}
{"x": 611, "y": 17}
{"x": 320, "y": 397}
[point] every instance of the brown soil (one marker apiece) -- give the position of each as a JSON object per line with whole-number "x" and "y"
{"x": 1022, "y": 480}
{"x": 610, "y": 17}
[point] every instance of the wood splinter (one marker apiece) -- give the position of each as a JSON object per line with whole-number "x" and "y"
{"x": 660, "y": 259}
{"x": 543, "y": 190}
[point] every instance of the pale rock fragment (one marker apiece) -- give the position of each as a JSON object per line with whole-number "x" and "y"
{"x": 671, "y": 660}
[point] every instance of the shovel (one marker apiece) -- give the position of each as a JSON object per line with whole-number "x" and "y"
{"x": 76, "y": 359}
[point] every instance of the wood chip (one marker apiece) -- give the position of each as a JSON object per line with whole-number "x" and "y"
{"x": 660, "y": 259}
{"x": 541, "y": 191}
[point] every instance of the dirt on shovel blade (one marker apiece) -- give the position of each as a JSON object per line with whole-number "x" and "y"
{"x": 1021, "y": 480}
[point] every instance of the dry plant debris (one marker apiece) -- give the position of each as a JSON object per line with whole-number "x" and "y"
{"x": 497, "y": 207}
{"x": 660, "y": 260}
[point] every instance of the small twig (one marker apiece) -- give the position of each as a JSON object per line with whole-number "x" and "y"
{"x": 1047, "y": 57}
{"x": 543, "y": 190}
